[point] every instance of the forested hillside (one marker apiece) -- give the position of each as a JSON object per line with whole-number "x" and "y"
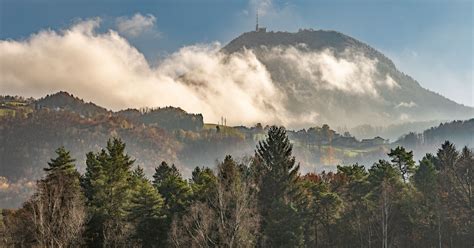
{"x": 262, "y": 201}
{"x": 459, "y": 132}
{"x": 30, "y": 131}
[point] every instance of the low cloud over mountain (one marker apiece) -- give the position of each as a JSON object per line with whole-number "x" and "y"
{"x": 259, "y": 77}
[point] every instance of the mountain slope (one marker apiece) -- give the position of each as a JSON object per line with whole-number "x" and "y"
{"x": 65, "y": 101}
{"x": 343, "y": 81}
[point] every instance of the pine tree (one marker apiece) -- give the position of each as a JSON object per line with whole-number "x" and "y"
{"x": 203, "y": 184}
{"x": 426, "y": 178}
{"x": 172, "y": 187}
{"x": 63, "y": 163}
{"x": 354, "y": 221}
{"x": 281, "y": 226}
{"x": 108, "y": 192}
{"x": 146, "y": 210}
{"x": 456, "y": 179}
{"x": 164, "y": 171}
{"x": 176, "y": 195}
{"x": 403, "y": 160}
{"x": 447, "y": 156}
{"x": 465, "y": 178}
{"x": 427, "y": 221}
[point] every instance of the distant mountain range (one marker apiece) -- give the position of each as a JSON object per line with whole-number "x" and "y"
{"x": 342, "y": 80}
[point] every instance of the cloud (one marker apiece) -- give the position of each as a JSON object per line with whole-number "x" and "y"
{"x": 106, "y": 69}
{"x": 351, "y": 72}
{"x": 136, "y": 25}
{"x": 263, "y": 7}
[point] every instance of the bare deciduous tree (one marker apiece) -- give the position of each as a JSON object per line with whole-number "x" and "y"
{"x": 195, "y": 228}
{"x": 228, "y": 219}
{"x": 53, "y": 217}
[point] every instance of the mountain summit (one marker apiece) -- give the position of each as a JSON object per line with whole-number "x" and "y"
{"x": 336, "y": 79}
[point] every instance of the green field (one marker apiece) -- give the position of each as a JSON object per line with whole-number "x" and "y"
{"x": 7, "y": 112}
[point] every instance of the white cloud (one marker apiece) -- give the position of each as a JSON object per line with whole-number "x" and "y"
{"x": 352, "y": 72}
{"x": 106, "y": 69}
{"x": 136, "y": 25}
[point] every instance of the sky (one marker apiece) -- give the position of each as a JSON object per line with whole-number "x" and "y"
{"x": 430, "y": 40}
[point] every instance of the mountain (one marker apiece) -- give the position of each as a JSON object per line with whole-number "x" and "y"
{"x": 343, "y": 81}
{"x": 169, "y": 118}
{"x": 67, "y": 102}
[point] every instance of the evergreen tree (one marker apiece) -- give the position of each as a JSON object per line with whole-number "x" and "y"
{"x": 447, "y": 156}
{"x": 172, "y": 187}
{"x": 163, "y": 172}
{"x": 176, "y": 195}
{"x": 323, "y": 210}
{"x": 428, "y": 216}
{"x": 146, "y": 210}
{"x": 355, "y": 219}
{"x": 456, "y": 180}
{"x": 403, "y": 160}
{"x": 203, "y": 184}
{"x": 63, "y": 163}
{"x": 465, "y": 174}
{"x": 108, "y": 191}
{"x": 426, "y": 178}
{"x": 281, "y": 225}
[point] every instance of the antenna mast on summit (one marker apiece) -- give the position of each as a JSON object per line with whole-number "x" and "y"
{"x": 256, "y": 26}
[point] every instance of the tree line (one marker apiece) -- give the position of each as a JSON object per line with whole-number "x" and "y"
{"x": 264, "y": 201}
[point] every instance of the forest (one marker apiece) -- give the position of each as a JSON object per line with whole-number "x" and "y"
{"x": 261, "y": 201}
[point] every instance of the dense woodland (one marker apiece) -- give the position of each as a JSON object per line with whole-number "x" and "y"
{"x": 264, "y": 201}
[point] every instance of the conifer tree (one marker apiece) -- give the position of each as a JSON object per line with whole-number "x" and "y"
{"x": 176, "y": 194}
{"x": 63, "y": 163}
{"x": 163, "y": 172}
{"x": 281, "y": 226}
{"x": 203, "y": 184}
{"x": 425, "y": 178}
{"x": 403, "y": 160}
{"x": 108, "y": 192}
{"x": 426, "y": 182}
{"x": 146, "y": 210}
